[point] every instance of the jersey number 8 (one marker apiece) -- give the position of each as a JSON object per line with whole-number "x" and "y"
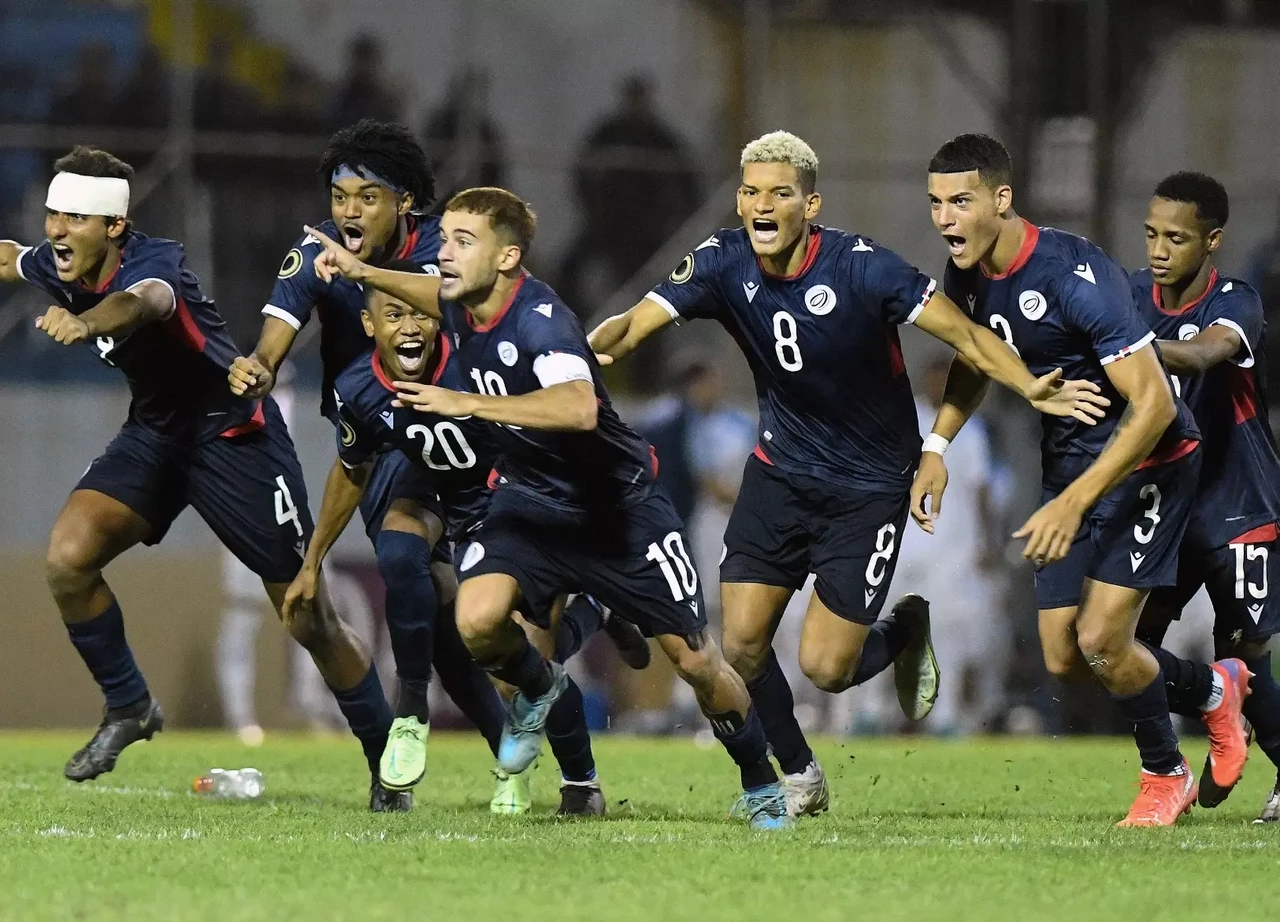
{"x": 785, "y": 344}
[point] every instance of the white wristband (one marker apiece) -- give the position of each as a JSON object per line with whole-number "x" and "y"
{"x": 935, "y": 443}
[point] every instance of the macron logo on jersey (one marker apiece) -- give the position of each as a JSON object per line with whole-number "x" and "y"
{"x": 750, "y": 288}
{"x": 1085, "y": 271}
{"x": 389, "y": 418}
{"x": 543, "y": 309}
{"x": 1135, "y": 560}
{"x": 712, "y": 241}
{"x": 861, "y": 247}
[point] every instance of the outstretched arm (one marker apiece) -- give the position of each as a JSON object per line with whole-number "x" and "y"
{"x": 966, "y": 387}
{"x": 567, "y": 407}
{"x": 1207, "y": 348}
{"x": 118, "y": 314}
{"x": 342, "y": 493}
{"x": 254, "y": 375}
{"x": 10, "y": 250}
{"x": 415, "y": 289}
{"x": 621, "y": 333}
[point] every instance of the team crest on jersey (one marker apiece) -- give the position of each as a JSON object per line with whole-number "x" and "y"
{"x": 1032, "y": 304}
{"x": 684, "y": 271}
{"x": 820, "y": 300}
{"x": 473, "y": 555}
{"x": 1188, "y": 331}
{"x": 507, "y": 352}
{"x": 292, "y": 263}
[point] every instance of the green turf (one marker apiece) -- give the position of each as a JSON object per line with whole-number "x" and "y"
{"x": 919, "y": 830}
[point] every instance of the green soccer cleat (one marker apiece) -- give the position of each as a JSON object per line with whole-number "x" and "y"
{"x": 513, "y": 794}
{"x": 404, "y": 760}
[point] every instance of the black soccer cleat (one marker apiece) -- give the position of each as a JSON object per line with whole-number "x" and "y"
{"x": 115, "y": 732}
{"x": 633, "y": 648}
{"x": 382, "y": 800}
{"x": 581, "y": 800}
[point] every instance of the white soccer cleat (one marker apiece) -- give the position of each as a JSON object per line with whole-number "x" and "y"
{"x": 915, "y": 671}
{"x": 251, "y": 735}
{"x": 807, "y": 792}
{"x": 1271, "y": 812}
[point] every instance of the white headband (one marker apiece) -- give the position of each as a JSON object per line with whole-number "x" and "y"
{"x": 72, "y": 193}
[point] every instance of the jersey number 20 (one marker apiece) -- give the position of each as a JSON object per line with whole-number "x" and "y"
{"x": 453, "y": 445}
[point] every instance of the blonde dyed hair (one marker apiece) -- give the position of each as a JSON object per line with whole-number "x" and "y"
{"x": 785, "y": 147}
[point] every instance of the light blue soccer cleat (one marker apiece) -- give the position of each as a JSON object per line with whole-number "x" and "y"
{"x": 526, "y": 725}
{"x": 764, "y": 808}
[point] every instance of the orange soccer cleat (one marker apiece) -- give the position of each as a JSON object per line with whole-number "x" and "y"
{"x": 1162, "y": 799}
{"x": 1228, "y": 738}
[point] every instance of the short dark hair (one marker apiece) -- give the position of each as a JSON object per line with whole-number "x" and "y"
{"x": 1199, "y": 189}
{"x": 395, "y": 265}
{"x": 387, "y": 149}
{"x": 508, "y": 214}
{"x": 90, "y": 161}
{"x": 967, "y": 152}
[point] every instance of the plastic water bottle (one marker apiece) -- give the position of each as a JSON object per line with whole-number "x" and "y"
{"x": 233, "y": 784}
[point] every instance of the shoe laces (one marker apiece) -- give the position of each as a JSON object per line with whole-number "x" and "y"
{"x": 405, "y": 730}
{"x": 770, "y": 800}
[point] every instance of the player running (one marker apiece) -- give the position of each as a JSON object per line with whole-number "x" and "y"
{"x": 1211, "y": 333}
{"x": 187, "y": 442}
{"x": 576, "y": 504}
{"x": 815, "y": 310}
{"x": 459, "y": 455}
{"x": 1117, "y": 496}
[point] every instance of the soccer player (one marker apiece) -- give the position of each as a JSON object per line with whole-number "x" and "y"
{"x": 1117, "y": 495}
{"x": 379, "y": 180}
{"x": 1210, "y": 327}
{"x": 815, "y": 310}
{"x": 576, "y": 504}
{"x": 459, "y": 455}
{"x": 187, "y": 442}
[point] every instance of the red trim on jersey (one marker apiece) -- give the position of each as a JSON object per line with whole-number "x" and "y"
{"x": 1244, "y": 395}
{"x": 1181, "y": 450}
{"x": 502, "y": 312}
{"x": 759, "y": 453}
{"x": 380, "y": 373}
{"x": 810, "y": 257}
{"x": 255, "y": 422}
{"x": 1028, "y": 247}
{"x": 897, "y": 365}
{"x": 102, "y": 286}
{"x": 410, "y": 241}
{"x": 1155, "y": 296}
{"x": 188, "y": 329}
{"x": 1263, "y": 534}
{"x": 492, "y": 480}
{"x": 442, "y": 356}
{"x": 653, "y": 460}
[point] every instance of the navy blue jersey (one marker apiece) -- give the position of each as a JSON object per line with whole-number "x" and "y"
{"x": 459, "y": 454}
{"x": 1063, "y": 303}
{"x": 1240, "y": 475}
{"x": 534, "y": 342}
{"x": 176, "y": 368}
{"x": 835, "y": 401}
{"x": 342, "y": 338}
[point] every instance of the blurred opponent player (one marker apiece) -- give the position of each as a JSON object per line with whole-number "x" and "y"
{"x": 1117, "y": 496}
{"x": 815, "y": 311}
{"x": 1211, "y": 333}
{"x": 187, "y": 442}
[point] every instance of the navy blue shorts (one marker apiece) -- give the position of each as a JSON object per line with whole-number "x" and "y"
{"x": 248, "y": 488}
{"x": 395, "y": 477}
{"x": 634, "y": 560}
{"x": 1242, "y": 580}
{"x": 785, "y": 526}
{"x": 1129, "y": 538}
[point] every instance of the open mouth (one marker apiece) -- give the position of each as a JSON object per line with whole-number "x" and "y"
{"x": 765, "y": 231}
{"x": 955, "y": 243}
{"x": 352, "y": 237}
{"x": 62, "y": 257}
{"x": 411, "y": 355}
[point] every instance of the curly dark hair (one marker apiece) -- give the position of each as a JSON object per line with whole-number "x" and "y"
{"x": 1213, "y": 207}
{"x": 387, "y": 149}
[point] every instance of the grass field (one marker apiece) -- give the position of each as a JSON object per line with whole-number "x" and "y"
{"x": 919, "y": 830}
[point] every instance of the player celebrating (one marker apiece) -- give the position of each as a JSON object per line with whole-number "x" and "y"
{"x": 187, "y": 441}
{"x": 1117, "y": 495}
{"x": 1210, "y": 328}
{"x": 815, "y": 311}
{"x": 459, "y": 454}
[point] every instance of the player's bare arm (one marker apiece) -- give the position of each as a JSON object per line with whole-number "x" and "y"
{"x": 966, "y": 387}
{"x": 254, "y": 375}
{"x": 118, "y": 314}
{"x": 10, "y": 250}
{"x": 1140, "y": 379}
{"x": 621, "y": 333}
{"x": 416, "y": 290}
{"x": 990, "y": 355}
{"x": 342, "y": 494}
{"x": 1204, "y": 350}
{"x": 569, "y": 407}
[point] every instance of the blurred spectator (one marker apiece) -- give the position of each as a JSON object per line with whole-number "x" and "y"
{"x": 144, "y": 101}
{"x": 636, "y": 184}
{"x": 1264, "y": 274}
{"x": 222, "y": 101}
{"x": 363, "y": 91}
{"x": 302, "y": 102}
{"x": 89, "y": 100}
{"x": 464, "y": 143}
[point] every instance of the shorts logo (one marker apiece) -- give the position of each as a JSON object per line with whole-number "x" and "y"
{"x": 474, "y": 554}
{"x": 820, "y": 300}
{"x": 507, "y": 352}
{"x": 1255, "y": 612}
{"x": 684, "y": 271}
{"x": 1032, "y": 304}
{"x": 1188, "y": 331}
{"x": 292, "y": 263}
